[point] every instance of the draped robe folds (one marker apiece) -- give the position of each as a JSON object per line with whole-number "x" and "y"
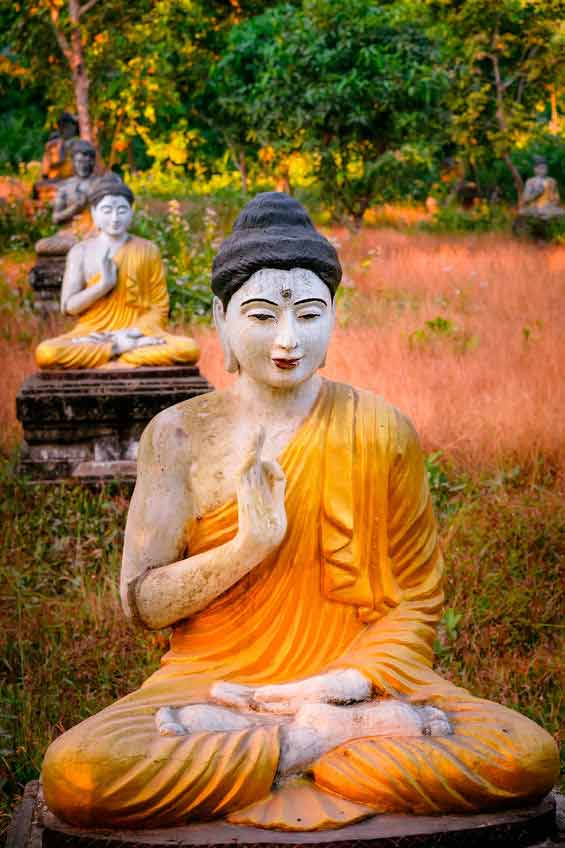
{"x": 139, "y": 299}
{"x": 357, "y": 583}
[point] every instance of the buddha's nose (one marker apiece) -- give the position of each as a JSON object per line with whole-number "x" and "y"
{"x": 287, "y": 338}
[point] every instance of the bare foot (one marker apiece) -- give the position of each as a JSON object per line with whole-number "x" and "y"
{"x": 317, "y": 728}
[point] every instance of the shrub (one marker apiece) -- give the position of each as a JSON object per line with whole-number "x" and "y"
{"x": 22, "y": 223}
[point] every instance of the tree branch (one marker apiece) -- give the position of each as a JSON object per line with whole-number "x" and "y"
{"x": 86, "y": 7}
{"x": 59, "y": 34}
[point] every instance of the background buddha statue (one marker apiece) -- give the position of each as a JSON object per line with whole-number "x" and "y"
{"x": 541, "y": 193}
{"x": 283, "y": 528}
{"x": 71, "y": 206}
{"x": 56, "y": 163}
{"x": 115, "y": 284}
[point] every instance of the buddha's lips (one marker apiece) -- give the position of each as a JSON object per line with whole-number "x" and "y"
{"x": 287, "y": 364}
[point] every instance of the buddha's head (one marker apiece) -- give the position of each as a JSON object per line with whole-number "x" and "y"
{"x": 540, "y": 166}
{"x": 84, "y": 158}
{"x": 111, "y": 205}
{"x": 274, "y": 281}
{"x": 67, "y": 125}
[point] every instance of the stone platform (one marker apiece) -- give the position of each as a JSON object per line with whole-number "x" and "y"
{"x": 33, "y": 826}
{"x": 46, "y": 279}
{"x": 86, "y": 424}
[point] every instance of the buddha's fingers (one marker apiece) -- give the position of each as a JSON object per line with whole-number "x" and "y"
{"x": 255, "y": 449}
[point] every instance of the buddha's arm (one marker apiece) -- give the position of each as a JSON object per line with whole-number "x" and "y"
{"x": 533, "y": 189}
{"x": 75, "y": 296}
{"x": 157, "y": 587}
{"x": 63, "y": 210}
{"x": 398, "y": 646}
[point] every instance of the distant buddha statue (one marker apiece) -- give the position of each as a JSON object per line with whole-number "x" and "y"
{"x": 541, "y": 193}
{"x": 283, "y": 528}
{"x": 71, "y": 209}
{"x": 56, "y": 163}
{"x": 115, "y": 285}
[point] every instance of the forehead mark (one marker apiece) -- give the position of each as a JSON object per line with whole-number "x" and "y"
{"x": 286, "y": 293}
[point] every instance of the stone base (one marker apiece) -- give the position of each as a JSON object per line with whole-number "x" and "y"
{"x": 86, "y": 424}
{"x": 33, "y": 826}
{"x": 46, "y": 279}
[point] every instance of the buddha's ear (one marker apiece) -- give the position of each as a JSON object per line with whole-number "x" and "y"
{"x": 230, "y": 362}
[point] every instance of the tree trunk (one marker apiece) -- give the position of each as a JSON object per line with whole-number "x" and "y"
{"x": 242, "y": 168}
{"x": 80, "y": 77}
{"x": 518, "y": 181}
{"x": 503, "y": 124}
{"x": 240, "y": 162}
{"x": 555, "y": 122}
{"x": 74, "y": 54}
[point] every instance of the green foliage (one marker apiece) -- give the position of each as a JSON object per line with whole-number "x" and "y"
{"x": 188, "y": 243}
{"x": 506, "y": 61}
{"x": 482, "y": 218}
{"x": 443, "y": 489}
{"x": 355, "y": 85}
{"x": 442, "y": 330}
{"x": 22, "y": 224}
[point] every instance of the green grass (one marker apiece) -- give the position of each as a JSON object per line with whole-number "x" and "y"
{"x": 67, "y": 650}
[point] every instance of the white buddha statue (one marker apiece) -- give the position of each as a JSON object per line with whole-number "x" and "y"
{"x": 283, "y": 528}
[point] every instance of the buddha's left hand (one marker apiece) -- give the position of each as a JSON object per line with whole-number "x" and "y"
{"x": 342, "y": 686}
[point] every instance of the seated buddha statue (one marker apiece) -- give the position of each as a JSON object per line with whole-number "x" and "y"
{"x": 283, "y": 529}
{"x": 115, "y": 284}
{"x": 541, "y": 193}
{"x": 56, "y": 162}
{"x": 71, "y": 211}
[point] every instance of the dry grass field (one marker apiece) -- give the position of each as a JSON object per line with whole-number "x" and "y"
{"x": 465, "y": 334}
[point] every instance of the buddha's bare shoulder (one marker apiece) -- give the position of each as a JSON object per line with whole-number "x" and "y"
{"x": 187, "y": 429}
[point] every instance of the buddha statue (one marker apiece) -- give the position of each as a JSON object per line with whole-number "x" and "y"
{"x": 56, "y": 163}
{"x": 541, "y": 194}
{"x": 283, "y": 528}
{"x": 115, "y": 284}
{"x": 71, "y": 206}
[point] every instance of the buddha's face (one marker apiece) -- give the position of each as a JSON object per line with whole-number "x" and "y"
{"x": 278, "y": 326}
{"x": 83, "y": 164}
{"x": 540, "y": 169}
{"x": 113, "y": 215}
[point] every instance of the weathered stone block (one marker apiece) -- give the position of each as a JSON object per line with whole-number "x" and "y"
{"x": 86, "y": 424}
{"x": 46, "y": 279}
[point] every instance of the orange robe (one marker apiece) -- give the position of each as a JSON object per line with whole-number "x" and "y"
{"x": 140, "y": 299}
{"x": 357, "y": 583}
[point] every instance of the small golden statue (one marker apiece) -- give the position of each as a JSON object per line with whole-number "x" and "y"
{"x": 283, "y": 528}
{"x": 115, "y": 284}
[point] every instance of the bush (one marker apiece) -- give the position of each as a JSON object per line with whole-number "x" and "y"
{"x": 482, "y": 218}
{"x": 22, "y": 223}
{"x": 188, "y": 248}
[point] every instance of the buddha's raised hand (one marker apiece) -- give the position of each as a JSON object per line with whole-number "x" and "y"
{"x": 260, "y": 499}
{"x": 108, "y": 272}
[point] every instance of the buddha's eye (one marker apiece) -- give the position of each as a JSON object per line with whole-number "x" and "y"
{"x": 308, "y": 316}
{"x": 262, "y": 316}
